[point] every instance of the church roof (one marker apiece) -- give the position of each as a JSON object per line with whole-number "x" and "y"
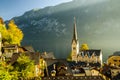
{"x": 91, "y": 52}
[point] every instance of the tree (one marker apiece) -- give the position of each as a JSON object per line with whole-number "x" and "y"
{"x": 24, "y": 67}
{"x": 69, "y": 58}
{"x": 3, "y": 30}
{"x": 84, "y": 47}
{"x": 12, "y": 35}
{"x": 15, "y": 34}
{"x": 5, "y": 73}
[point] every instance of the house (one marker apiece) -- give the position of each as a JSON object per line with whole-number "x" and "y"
{"x": 58, "y": 66}
{"x": 115, "y": 72}
{"x": 9, "y": 49}
{"x": 95, "y": 72}
{"x": 114, "y": 60}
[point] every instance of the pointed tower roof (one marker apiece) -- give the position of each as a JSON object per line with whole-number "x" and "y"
{"x": 75, "y": 31}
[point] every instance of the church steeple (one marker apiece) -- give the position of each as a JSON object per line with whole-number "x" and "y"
{"x": 75, "y": 43}
{"x": 74, "y": 31}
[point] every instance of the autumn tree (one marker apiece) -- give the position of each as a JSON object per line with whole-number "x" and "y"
{"x": 3, "y": 30}
{"x": 6, "y": 71}
{"x": 15, "y": 34}
{"x": 69, "y": 58}
{"x": 24, "y": 67}
{"x": 84, "y": 47}
{"x": 12, "y": 35}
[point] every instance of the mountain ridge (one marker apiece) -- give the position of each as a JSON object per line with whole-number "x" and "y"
{"x": 51, "y": 28}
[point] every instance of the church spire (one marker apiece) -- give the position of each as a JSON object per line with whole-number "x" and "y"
{"x": 74, "y": 30}
{"x": 75, "y": 43}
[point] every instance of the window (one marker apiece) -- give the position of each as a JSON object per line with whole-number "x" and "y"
{"x": 74, "y": 48}
{"x": 115, "y": 60}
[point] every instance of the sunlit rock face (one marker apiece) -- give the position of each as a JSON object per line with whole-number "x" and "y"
{"x": 51, "y": 28}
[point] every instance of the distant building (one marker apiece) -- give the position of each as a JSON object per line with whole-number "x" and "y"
{"x": 57, "y": 67}
{"x": 9, "y": 49}
{"x": 88, "y": 56}
{"x": 114, "y": 60}
{"x": 115, "y": 72}
{"x": 48, "y": 55}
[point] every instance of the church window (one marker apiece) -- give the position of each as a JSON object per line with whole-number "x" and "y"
{"x": 74, "y": 48}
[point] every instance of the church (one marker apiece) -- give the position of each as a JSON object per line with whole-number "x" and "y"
{"x": 90, "y": 56}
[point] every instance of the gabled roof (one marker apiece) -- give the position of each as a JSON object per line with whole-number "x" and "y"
{"x": 90, "y": 52}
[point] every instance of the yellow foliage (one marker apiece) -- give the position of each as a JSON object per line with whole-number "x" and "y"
{"x": 3, "y": 30}
{"x": 69, "y": 58}
{"x": 1, "y": 21}
{"x": 42, "y": 66}
{"x": 84, "y": 47}
{"x": 15, "y": 34}
{"x": 12, "y": 35}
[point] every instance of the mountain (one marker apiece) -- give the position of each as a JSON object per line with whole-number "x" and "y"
{"x": 51, "y": 28}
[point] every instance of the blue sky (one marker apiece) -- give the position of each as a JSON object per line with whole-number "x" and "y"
{"x": 12, "y": 8}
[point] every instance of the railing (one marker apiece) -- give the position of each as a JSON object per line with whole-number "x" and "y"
{"x": 73, "y": 78}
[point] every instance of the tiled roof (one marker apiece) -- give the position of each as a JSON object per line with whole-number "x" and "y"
{"x": 117, "y": 53}
{"x": 33, "y": 56}
{"x": 28, "y": 48}
{"x": 10, "y": 46}
{"x": 14, "y": 58}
